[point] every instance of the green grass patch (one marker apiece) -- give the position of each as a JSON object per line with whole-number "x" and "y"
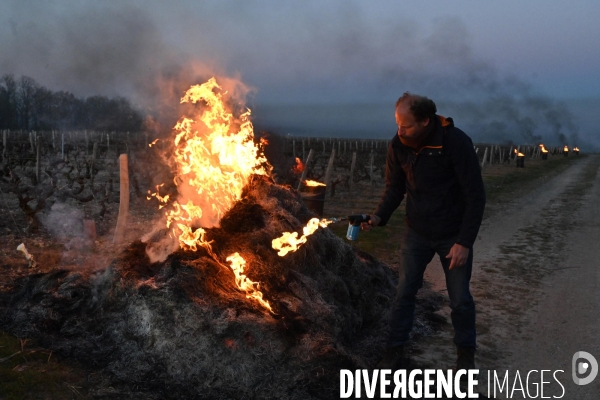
{"x": 382, "y": 242}
{"x": 29, "y": 372}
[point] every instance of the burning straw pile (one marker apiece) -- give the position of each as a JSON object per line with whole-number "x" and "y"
{"x": 183, "y": 327}
{"x": 219, "y": 314}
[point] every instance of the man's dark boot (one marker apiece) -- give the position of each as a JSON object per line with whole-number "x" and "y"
{"x": 465, "y": 357}
{"x": 394, "y": 358}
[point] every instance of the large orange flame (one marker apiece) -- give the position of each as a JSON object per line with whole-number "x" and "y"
{"x": 289, "y": 241}
{"x": 214, "y": 156}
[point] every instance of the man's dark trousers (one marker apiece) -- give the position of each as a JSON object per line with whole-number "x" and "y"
{"x": 416, "y": 253}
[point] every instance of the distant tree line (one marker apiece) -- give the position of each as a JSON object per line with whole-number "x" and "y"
{"x": 27, "y": 105}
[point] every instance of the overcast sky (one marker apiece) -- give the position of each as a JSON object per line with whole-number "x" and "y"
{"x": 312, "y": 52}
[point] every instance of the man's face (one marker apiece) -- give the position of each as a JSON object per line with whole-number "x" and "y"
{"x": 408, "y": 128}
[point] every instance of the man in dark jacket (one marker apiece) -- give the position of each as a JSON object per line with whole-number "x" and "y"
{"x": 434, "y": 164}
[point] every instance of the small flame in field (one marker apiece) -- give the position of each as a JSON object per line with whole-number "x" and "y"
{"x": 519, "y": 154}
{"x": 289, "y": 241}
{"x": 162, "y": 199}
{"x": 575, "y": 148}
{"x": 313, "y": 183}
{"x": 566, "y": 148}
{"x": 237, "y": 265}
{"x": 299, "y": 167}
{"x": 28, "y": 256}
{"x": 543, "y": 148}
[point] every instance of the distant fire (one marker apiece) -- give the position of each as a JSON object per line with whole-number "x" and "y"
{"x": 575, "y": 148}
{"x": 289, "y": 241}
{"x": 298, "y": 167}
{"x": 566, "y": 148}
{"x": 519, "y": 154}
{"x": 543, "y": 149}
{"x": 313, "y": 183}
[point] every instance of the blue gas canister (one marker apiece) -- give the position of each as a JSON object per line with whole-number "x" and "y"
{"x": 354, "y": 225}
{"x": 353, "y": 230}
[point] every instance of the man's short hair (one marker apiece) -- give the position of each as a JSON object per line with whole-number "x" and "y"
{"x": 420, "y": 106}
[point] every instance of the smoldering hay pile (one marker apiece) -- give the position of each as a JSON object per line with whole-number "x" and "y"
{"x": 181, "y": 327}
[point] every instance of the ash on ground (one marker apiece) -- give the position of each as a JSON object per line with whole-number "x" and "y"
{"x": 181, "y": 329}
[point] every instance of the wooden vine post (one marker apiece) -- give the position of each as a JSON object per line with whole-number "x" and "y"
{"x": 485, "y": 155}
{"x": 371, "y": 167}
{"x": 124, "y": 201}
{"x": 352, "y": 167}
{"x": 329, "y": 168}
{"x": 38, "y": 160}
{"x": 94, "y": 154}
{"x": 306, "y": 164}
{"x": 4, "y": 133}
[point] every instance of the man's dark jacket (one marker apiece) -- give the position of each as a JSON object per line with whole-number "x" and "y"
{"x": 442, "y": 182}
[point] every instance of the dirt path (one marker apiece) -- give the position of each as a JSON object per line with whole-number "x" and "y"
{"x": 536, "y": 284}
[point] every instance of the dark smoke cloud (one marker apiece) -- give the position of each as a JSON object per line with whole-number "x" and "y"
{"x": 357, "y": 62}
{"x": 88, "y": 50}
{"x": 113, "y": 49}
{"x": 310, "y": 53}
{"x": 443, "y": 66}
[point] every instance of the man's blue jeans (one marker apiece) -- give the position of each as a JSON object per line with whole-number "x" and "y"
{"x": 415, "y": 254}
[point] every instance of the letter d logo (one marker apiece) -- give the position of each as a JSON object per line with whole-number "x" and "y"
{"x": 581, "y": 368}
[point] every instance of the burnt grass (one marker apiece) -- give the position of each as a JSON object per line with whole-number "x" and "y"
{"x": 181, "y": 329}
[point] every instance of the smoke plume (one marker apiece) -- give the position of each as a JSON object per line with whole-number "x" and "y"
{"x": 296, "y": 55}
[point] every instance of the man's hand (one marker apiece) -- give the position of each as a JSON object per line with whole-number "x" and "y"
{"x": 373, "y": 222}
{"x": 458, "y": 255}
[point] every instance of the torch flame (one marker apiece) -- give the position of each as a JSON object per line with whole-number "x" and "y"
{"x": 289, "y": 241}
{"x": 575, "y": 148}
{"x": 313, "y": 183}
{"x": 543, "y": 148}
{"x": 566, "y": 148}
